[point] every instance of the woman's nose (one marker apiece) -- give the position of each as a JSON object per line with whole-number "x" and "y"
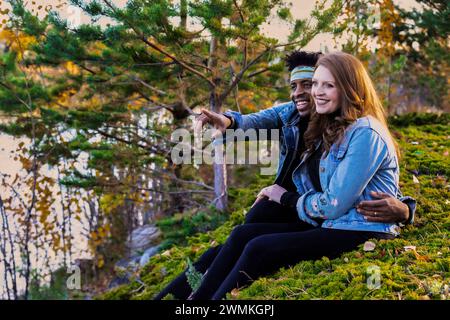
{"x": 318, "y": 90}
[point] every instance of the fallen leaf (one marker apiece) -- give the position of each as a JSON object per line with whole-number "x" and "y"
{"x": 415, "y": 180}
{"x": 234, "y": 292}
{"x": 166, "y": 253}
{"x": 418, "y": 256}
{"x": 369, "y": 246}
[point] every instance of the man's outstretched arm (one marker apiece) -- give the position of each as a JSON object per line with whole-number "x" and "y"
{"x": 387, "y": 209}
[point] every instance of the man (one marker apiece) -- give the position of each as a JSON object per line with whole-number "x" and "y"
{"x": 273, "y": 203}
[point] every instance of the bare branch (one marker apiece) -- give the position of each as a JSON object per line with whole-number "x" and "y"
{"x": 258, "y": 72}
{"x": 239, "y": 76}
{"x": 145, "y": 84}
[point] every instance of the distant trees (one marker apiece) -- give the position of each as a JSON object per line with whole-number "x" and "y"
{"x": 424, "y": 39}
{"x": 403, "y": 48}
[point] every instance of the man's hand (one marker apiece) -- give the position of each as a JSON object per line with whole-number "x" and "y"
{"x": 219, "y": 121}
{"x": 387, "y": 209}
{"x": 273, "y": 192}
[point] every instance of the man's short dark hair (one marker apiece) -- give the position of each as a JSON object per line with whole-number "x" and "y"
{"x": 301, "y": 58}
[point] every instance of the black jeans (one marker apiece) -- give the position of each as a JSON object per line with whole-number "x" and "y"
{"x": 271, "y": 237}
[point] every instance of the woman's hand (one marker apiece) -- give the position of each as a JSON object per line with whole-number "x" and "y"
{"x": 273, "y": 192}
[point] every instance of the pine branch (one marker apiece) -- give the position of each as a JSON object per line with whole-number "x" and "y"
{"x": 164, "y": 52}
{"x": 194, "y": 278}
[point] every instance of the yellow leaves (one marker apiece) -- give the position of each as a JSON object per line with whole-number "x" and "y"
{"x": 101, "y": 232}
{"x": 36, "y": 113}
{"x": 245, "y": 99}
{"x": 56, "y": 239}
{"x": 27, "y": 164}
{"x": 97, "y": 237}
{"x": 109, "y": 202}
{"x": 97, "y": 48}
{"x": 416, "y": 254}
{"x": 72, "y": 68}
{"x": 93, "y": 104}
{"x": 93, "y": 235}
{"x": 136, "y": 102}
{"x": 100, "y": 261}
{"x": 18, "y": 42}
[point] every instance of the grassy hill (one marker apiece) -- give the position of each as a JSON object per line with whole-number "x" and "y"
{"x": 419, "y": 272}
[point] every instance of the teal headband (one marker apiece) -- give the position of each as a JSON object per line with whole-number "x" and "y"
{"x": 302, "y": 72}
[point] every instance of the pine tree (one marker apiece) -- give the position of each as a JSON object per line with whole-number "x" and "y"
{"x": 150, "y": 58}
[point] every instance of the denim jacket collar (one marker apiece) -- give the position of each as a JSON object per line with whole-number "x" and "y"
{"x": 289, "y": 114}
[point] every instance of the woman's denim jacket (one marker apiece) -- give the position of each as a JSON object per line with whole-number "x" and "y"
{"x": 363, "y": 162}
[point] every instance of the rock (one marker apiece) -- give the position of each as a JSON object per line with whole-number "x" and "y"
{"x": 147, "y": 255}
{"x": 124, "y": 270}
{"x": 142, "y": 238}
{"x": 142, "y": 244}
{"x": 118, "y": 281}
{"x": 126, "y": 263}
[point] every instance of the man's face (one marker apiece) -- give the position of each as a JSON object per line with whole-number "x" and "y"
{"x": 301, "y": 95}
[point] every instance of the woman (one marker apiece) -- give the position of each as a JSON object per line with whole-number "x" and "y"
{"x": 350, "y": 153}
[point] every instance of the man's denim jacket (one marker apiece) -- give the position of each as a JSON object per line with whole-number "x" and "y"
{"x": 361, "y": 163}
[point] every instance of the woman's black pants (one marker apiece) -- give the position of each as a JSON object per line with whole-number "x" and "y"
{"x": 271, "y": 237}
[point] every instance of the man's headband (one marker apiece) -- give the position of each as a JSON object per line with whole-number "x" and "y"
{"x": 302, "y": 72}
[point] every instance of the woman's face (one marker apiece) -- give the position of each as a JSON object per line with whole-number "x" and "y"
{"x": 324, "y": 91}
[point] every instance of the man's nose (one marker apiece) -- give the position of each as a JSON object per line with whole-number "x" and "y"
{"x": 299, "y": 90}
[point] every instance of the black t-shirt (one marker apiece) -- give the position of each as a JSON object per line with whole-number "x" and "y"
{"x": 292, "y": 160}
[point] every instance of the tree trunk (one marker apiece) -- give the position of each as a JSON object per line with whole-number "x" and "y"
{"x": 183, "y": 14}
{"x": 220, "y": 169}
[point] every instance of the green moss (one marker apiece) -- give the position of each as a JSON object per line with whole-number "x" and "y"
{"x": 419, "y": 274}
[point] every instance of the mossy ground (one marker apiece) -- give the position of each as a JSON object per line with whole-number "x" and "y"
{"x": 423, "y": 273}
